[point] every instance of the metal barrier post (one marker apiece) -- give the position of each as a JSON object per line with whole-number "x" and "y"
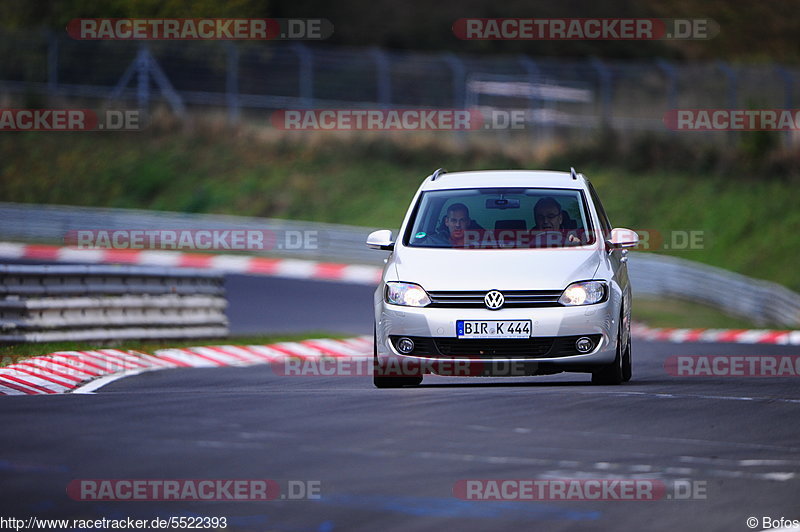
{"x": 383, "y": 71}
{"x": 143, "y": 85}
{"x": 305, "y": 73}
{"x": 788, "y": 87}
{"x": 732, "y": 92}
{"x": 459, "y": 73}
{"x": 672, "y": 85}
{"x": 52, "y": 63}
{"x": 534, "y": 78}
{"x": 232, "y": 83}
{"x": 606, "y": 86}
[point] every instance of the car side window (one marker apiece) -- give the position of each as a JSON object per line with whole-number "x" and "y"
{"x": 601, "y": 212}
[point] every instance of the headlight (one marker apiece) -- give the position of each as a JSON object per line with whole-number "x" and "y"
{"x": 583, "y": 293}
{"x": 406, "y": 294}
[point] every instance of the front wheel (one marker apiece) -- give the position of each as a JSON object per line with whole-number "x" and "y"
{"x": 618, "y": 371}
{"x": 627, "y": 362}
{"x": 395, "y": 382}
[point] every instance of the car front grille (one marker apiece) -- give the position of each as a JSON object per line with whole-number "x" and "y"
{"x": 536, "y": 347}
{"x": 513, "y": 298}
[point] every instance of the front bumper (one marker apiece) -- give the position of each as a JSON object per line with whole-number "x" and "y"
{"x": 436, "y": 328}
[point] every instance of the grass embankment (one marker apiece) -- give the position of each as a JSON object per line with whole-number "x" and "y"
{"x": 744, "y": 223}
{"x": 747, "y": 225}
{"x": 686, "y": 315}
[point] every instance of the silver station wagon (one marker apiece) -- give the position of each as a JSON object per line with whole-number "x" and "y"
{"x": 503, "y": 273}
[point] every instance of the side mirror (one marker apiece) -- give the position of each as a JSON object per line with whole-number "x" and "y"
{"x": 623, "y": 238}
{"x": 380, "y": 240}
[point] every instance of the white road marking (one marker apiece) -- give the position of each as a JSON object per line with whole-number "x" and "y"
{"x": 160, "y": 258}
{"x": 231, "y": 263}
{"x": 582, "y": 470}
{"x": 11, "y": 250}
{"x": 96, "y": 384}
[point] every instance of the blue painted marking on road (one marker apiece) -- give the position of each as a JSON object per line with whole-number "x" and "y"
{"x": 452, "y": 507}
{"x": 42, "y": 506}
{"x": 23, "y": 467}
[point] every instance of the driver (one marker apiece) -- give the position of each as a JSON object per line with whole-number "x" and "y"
{"x": 457, "y": 221}
{"x": 456, "y": 224}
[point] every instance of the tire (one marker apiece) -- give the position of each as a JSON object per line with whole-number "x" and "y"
{"x": 627, "y": 362}
{"x": 614, "y": 373}
{"x": 388, "y": 382}
{"x": 395, "y": 382}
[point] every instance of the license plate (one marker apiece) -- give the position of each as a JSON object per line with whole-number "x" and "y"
{"x": 493, "y": 328}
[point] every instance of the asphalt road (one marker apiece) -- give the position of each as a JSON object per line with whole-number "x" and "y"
{"x": 389, "y": 459}
{"x": 271, "y": 305}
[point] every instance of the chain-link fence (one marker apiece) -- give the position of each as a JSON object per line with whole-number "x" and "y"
{"x": 559, "y": 97}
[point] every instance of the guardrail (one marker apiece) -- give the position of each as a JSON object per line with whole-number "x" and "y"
{"x": 51, "y": 223}
{"x": 103, "y": 302}
{"x": 758, "y": 301}
{"x": 658, "y": 275}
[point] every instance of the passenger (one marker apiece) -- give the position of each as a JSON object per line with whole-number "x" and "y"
{"x": 548, "y": 216}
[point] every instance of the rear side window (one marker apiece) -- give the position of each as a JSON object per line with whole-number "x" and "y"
{"x": 605, "y": 224}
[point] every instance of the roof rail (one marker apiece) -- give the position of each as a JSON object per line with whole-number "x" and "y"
{"x": 438, "y": 173}
{"x": 573, "y": 172}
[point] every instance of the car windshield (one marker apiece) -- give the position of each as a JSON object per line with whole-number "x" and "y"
{"x": 500, "y": 218}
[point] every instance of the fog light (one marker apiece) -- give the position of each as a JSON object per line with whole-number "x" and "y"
{"x": 584, "y": 345}
{"x": 405, "y": 345}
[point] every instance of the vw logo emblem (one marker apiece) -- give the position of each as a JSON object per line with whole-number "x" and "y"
{"x": 493, "y": 300}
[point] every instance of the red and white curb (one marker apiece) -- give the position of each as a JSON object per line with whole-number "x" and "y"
{"x": 85, "y": 371}
{"x": 289, "y": 268}
{"x": 738, "y": 336}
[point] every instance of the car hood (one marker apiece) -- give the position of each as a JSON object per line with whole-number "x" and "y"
{"x": 506, "y": 269}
